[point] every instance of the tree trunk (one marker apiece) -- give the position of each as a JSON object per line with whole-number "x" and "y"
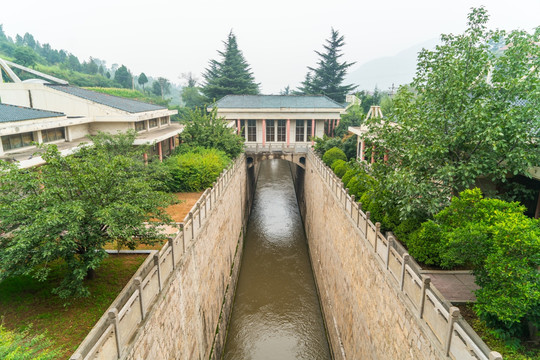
{"x": 90, "y": 274}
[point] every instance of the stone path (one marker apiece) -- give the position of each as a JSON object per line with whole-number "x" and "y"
{"x": 455, "y": 286}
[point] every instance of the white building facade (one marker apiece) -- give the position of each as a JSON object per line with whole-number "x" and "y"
{"x": 279, "y": 119}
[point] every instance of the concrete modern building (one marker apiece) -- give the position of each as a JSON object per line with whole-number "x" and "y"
{"x": 44, "y": 112}
{"x": 279, "y": 119}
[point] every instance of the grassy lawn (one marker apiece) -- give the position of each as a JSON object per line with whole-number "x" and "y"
{"x": 527, "y": 350}
{"x": 25, "y": 301}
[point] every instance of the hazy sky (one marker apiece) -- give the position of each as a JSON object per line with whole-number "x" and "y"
{"x": 277, "y": 37}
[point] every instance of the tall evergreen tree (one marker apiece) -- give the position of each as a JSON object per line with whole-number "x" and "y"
{"x": 231, "y": 75}
{"x": 328, "y": 76}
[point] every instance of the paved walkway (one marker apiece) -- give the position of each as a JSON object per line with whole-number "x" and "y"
{"x": 455, "y": 286}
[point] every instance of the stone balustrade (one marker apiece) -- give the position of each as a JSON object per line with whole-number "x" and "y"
{"x": 450, "y": 333}
{"x": 116, "y": 328}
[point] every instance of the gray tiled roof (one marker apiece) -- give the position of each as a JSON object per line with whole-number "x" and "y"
{"x": 278, "y": 101}
{"x": 131, "y": 106}
{"x": 18, "y": 113}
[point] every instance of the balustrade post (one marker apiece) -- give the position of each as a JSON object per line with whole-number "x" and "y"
{"x": 495, "y": 356}
{"x": 190, "y": 215}
{"x": 113, "y": 319}
{"x": 377, "y": 232}
{"x": 138, "y": 284}
{"x": 156, "y": 263}
{"x": 390, "y": 244}
{"x": 405, "y": 261}
{"x": 453, "y": 317}
{"x": 353, "y": 201}
{"x": 198, "y": 207}
{"x": 171, "y": 244}
{"x": 183, "y": 237}
{"x": 359, "y": 206}
{"x": 368, "y": 216}
{"x": 426, "y": 280}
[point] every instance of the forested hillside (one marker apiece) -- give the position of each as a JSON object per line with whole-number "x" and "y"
{"x": 27, "y": 51}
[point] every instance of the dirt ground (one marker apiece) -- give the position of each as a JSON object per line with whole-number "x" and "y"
{"x": 177, "y": 212}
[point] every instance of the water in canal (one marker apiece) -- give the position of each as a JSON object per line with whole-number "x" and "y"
{"x": 276, "y": 313}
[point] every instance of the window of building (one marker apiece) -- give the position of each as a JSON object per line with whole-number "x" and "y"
{"x": 53, "y": 134}
{"x": 300, "y": 129}
{"x": 140, "y": 125}
{"x": 282, "y": 130}
{"x": 152, "y": 123}
{"x": 16, "y": 141}
{"x": 308, "y": 132}
{"x": 270, "y": 130}
{"x": 164, "y": 120}
{"x": 243, "y": 128}
{"x": 252, "y": 130}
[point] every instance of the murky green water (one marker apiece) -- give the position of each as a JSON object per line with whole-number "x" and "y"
{"x": 276, "y": 313}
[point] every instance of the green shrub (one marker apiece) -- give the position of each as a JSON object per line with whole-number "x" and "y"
{"x": 501, "y": 245}
{"x": 332, "y": 155}
{"x": 20, "y": 346}
{"x": 337, "y": 163}
{"x": 406, "y": 227}
{"x": 195, "y": 170}
{"x": 425, "y": 243}
{"x": 348, "y": 176}
{"x": 341, "y": 168}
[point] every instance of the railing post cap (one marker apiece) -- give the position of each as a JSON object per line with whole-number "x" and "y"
{"x": 406, "y": 256}
{"x": 352, "y": 196}
{"x": 454, "y": 311}
{"x": 368, "y": 214}
{"x": 137, "y": 281}
{"x": 190, "y": 214}
{"x": 113, "y": 313}
{"x": 76, "y": 356}
{"x": 378, "y": 225}
{"x": 426, "y": 280}
{"x": 494, "y": 355}
{"x": 156, "y": 257}
{"x": 347, "y": 190}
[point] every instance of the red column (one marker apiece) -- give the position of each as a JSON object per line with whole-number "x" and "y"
{"x": 312, "y": 131}
{"x": 238, "y": 126}
{"x": 373, "y": 154}
{"x": 288, "y": 131}
{"x": 363, "y": 150}
{"x": 145, "y": 157}
{"x": 264, "y": 131}
{"x": 160, "y": 152}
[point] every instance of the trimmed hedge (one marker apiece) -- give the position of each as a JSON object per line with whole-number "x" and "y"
{"x": 332, "y": 155}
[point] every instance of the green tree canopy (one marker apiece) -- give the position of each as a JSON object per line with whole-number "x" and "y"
{"x": 72, "y": 206}
{"x": 473, "y": 117}
{"x": 327, "y": 78}
{"x": 25, "y": 56}
{"x": 207, "y": 130}
{"x": 123, "y": 77}
{"x": 231, "y": 75}
{"x": 142, "y": 79}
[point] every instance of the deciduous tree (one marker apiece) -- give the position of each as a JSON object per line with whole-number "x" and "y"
{"x": 72, "y": 206}
{"x": 471, "y": 118}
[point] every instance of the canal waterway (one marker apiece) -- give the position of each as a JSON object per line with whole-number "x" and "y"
{"x": 276, "y": 313}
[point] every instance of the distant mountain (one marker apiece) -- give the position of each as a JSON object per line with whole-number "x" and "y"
{"x": 383, "y": 72}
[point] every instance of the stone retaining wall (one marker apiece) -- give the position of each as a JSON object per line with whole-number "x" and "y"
{"x": 179, "y": 302}
{"x": 376, "y": 303}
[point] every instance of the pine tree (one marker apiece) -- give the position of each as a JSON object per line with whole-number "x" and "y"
{"x": 230, "y": 76}
{"x": 328, "y": 77}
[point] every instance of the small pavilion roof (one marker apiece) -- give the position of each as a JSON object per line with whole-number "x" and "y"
{"x": 128, "y": 105}
{"x": 277, "y": 102}
{"x": 9, "y": 113}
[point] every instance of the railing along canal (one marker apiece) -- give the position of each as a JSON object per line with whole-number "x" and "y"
{"x": 451, "y": 332}
{"x": 112, "y": 333}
